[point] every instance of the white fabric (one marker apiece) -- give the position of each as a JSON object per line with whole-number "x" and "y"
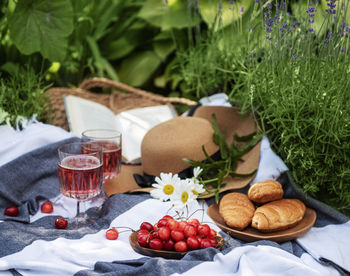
{"x": 67, "y": 256}
{"x": 63, "y": 256}
{"x": 14, "y": 143}
{"x": 260, "y": 260}
{"x": 271, "y": 165}
{"x": 331, "y": 242}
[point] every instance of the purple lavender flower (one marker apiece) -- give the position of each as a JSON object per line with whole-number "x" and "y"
{"x": 294, "y": 57}
{"x": 282, "y": 6}
{"x": 331, "y": 6}
{"x": 325, "y": 42}
{"x": 311, "y": 30}
{"x": 294, "y": 25}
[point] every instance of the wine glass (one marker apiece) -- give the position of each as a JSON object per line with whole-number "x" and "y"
{"x": 111, "y": 143}
{"x": 80, "y": 175}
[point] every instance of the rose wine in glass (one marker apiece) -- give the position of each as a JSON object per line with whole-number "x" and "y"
{"x": 80, "y": 175}
{"x": 111, "y": 143}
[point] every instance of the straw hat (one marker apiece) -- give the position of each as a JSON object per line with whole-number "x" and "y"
{"x": 165, "y": 145}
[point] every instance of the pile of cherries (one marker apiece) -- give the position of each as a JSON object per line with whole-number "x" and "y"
{"x": 172, "y": 235}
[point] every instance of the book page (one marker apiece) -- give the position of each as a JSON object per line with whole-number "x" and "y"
{"x": 135, "y": 123}
{"x": 83, "y": 114}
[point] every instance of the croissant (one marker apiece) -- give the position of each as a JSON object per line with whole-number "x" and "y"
{"x": 237, "y": 210}
{"x": 278, "y": 215}
{"x": 265, "y": 191}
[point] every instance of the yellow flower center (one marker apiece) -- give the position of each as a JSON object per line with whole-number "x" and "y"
{"x": 194, "y": 192}
{"x": 184, "y": 197}
{"x": 168, "y": 189}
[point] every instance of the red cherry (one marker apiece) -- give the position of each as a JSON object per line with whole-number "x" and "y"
{"x": 156, "y": 244}
{"x": 168, "y": 245}
{"x": 182, "y": 225}
{"x": 167, "y": 217}
{"x": 203, "y": 230}
{"x": 199, "y": 238}
{"x": 192, "y": 243}
{"x": 11, "y": 211}
{"x": 212, "y": 233}
{"x": 164, "y": 233}
{"x": 47, "y": 207}
{"x": 112, "y": 234}
{"x": 194, "y": 222}
{"x": 206, "y": 243}
{"x": 177, "y": 235}
{"x": 190, "y": 230}
{"x": 143, "y": 239}
{"x": 61, "y": 223}
{"x": 180, "y": 246}
{"x": 162, "y": 222}
{"x": 147, "y": 226}
{"x": 143, "y": 232}
{"x": 213, "y": 241}
{"x": 172, "y": 224}
{"x": 155, "y": 234}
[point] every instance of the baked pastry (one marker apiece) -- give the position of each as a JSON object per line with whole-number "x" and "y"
{"x": 237, "y": 210}
{"x": 278, "y": 215}
{"x": 265, "y": 191}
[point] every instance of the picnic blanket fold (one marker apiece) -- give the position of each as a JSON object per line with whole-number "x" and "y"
{"x": 28, "y": 179}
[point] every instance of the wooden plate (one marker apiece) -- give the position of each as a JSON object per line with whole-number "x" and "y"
{"x": 162, "y": 253}
{"x": 251, "y": 234}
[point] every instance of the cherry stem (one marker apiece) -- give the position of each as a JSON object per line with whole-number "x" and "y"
{"x": 124, "y": 227}
{"x": 196, "y": 212}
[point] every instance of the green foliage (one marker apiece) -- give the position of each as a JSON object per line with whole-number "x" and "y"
{"x": 215, "y": 171}
{"x": 22, "y": 96}
{"x": 295, "y": 83}
{"x": 42, "y": 26}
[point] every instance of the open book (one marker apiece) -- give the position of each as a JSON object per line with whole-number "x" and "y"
{"x": 83, "y": 114}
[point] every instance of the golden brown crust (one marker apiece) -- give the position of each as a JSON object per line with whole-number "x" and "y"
{"x": 237, "y": 210}
{"x": 265, "y": 191}
{"x": 278, "y": 215}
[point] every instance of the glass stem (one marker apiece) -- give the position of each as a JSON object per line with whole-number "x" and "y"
{"x": 78, "y": 208}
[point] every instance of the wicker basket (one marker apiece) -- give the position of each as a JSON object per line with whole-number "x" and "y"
{"x": 124, "y": 98}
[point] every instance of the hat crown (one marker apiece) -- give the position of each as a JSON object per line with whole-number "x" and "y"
{"x": 165, "y": 145}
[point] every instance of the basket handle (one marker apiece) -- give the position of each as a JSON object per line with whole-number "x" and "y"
{"x": 103, "y": 82}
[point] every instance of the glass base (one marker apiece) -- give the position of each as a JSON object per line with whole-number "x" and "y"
{"x": 80, "y": 221}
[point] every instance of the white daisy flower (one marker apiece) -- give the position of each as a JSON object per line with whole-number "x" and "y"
{"x": 165, "y": 186}
{"x": 197, "y": 187}
{"x": 197, "y": 171}
{"x": 183, "y": 194}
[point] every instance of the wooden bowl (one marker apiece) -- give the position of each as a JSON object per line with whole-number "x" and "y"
{"x": 251, "y": 234}
{"x": 163, "y": 253}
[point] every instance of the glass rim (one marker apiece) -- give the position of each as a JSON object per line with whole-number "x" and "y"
{"x": 98, "y": 150}
{"x": 113, "y": 133}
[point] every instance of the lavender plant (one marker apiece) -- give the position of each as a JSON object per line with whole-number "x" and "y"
{"x": 288, "y": 64}
{"x": 297, "y": 85}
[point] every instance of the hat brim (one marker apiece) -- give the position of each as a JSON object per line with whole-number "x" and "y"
{"x": 230, "y": 122}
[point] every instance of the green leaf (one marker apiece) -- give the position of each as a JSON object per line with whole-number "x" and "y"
{"x": 138, "y": 68}
{"x": 219, "y": 138}
{"x": 209, "y": 10}
{"x": 176, "y": 14}
{"x": 42, "y": 26}
{"x": 163, "y": 44}
{"x": 244, "y": 138}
